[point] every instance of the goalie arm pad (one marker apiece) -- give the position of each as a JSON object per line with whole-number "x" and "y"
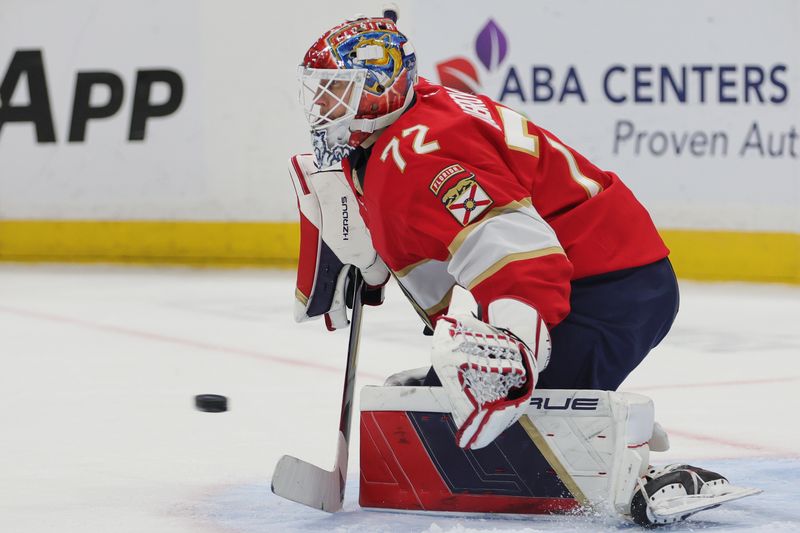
{"x": 333, "y": 236}
{"x": 489, "y": 371}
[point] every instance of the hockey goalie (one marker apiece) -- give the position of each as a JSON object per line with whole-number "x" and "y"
{"x": 518, "y": 412}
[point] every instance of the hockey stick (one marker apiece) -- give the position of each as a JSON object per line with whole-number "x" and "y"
{"x": 302, "y": 482}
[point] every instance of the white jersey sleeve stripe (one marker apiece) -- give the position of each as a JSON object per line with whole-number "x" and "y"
{"x": 428, "y": 283}
{"x": 496, "y": 240}
{"x": 445, "y": 302}
{"x": 497, "y": 211}
{"x": 589, "y": 185}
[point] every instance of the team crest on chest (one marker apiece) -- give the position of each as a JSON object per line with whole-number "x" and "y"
{"x": 466, "y": 200}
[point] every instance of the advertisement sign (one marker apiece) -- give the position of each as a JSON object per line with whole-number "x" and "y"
{"x": 694, "y": 104}
{"x": 162, "y": 130}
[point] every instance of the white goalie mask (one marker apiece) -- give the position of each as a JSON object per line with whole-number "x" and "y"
{"x": 330, "y": 99}
{"x": 355, "y": 80}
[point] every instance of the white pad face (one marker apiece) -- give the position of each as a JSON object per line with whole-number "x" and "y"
{"x": 596, "y": 441}
{"x": 659, "y": 442}
{"x": 488, "y": 375}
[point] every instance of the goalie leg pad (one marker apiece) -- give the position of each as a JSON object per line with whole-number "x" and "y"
{"x": 572, "y": 449}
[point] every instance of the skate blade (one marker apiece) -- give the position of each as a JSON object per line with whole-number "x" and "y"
{"x": 685, "y": 505}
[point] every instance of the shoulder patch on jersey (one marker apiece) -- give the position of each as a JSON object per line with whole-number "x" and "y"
{"x": 466, "y": 200}
{"x": 444, "y": 175}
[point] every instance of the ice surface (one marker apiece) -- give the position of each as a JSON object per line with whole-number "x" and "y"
{"x": 100, "y": 365}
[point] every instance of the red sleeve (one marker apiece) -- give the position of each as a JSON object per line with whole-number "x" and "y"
{"x": 480, "y": 219}
{"x": 446, "y": 205}
{"x": 538, "y": 282}
{"x": 463, "y": 191}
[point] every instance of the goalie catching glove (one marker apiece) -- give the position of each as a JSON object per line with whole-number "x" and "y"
{"x": 489, "y": 370}
{"x": 333, "y": 236}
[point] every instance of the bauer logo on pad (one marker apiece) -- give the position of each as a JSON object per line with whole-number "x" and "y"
{"x": 466, "y": 200}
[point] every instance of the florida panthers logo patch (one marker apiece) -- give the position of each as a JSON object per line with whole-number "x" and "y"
{"x": 444, "y": 176}
{"x": 466, "y": 200}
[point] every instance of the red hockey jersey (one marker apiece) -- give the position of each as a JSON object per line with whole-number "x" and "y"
{"x": 461, "y": 190}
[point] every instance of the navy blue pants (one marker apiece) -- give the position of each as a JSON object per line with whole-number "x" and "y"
{"x": 614, "y": 321}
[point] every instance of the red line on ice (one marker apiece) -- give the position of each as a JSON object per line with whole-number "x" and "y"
{"x": 732, "y": 443}
{"x": 714, "y": 384}
{"x": 181, "y": 341}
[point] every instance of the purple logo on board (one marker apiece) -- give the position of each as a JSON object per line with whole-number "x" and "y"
{"x": 491, "y": 45}
{"x": 491, "y": 48}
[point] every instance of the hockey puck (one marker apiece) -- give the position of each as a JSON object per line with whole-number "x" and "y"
{"x": 211, "y": 403}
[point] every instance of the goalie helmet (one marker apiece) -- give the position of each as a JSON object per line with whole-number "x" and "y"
{"x": 357, "y": 78}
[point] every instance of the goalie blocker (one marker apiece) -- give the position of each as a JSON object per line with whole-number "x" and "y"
{"x": 333, "y": 240}
{"x": 571, "y": 450}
